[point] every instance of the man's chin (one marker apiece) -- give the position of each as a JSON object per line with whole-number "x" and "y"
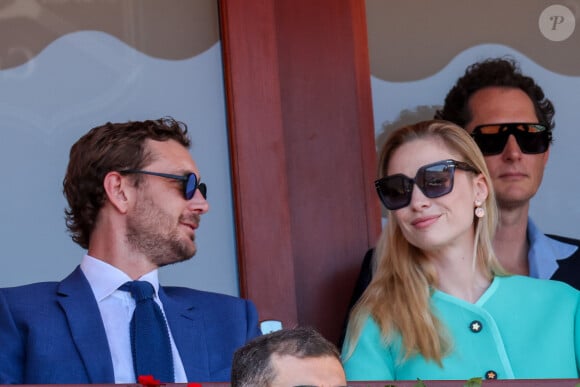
{"x": 507, "y": 202}
{"x": 180, "y": 254}
{"x": 181, "y": 258}
{"x": 187, "y": 253}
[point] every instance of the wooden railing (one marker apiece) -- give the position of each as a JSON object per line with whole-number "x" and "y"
{"x": 426, "y": 383}
{"x": 455, "y": 383}
{"x": 461, "y": 383}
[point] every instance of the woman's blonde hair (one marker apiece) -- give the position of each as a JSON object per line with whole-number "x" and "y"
{"x": 398, "y": 295}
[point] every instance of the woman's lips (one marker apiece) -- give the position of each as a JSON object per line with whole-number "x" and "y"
{"x": 424, "y": 221}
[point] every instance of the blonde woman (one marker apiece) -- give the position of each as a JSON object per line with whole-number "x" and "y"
{"x": 440, "y": 306}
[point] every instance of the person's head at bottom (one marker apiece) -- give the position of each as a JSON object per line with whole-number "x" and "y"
{"x": 297, "y": 357}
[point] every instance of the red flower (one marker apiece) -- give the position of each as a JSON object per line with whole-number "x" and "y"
{"x": 148, "y": 381}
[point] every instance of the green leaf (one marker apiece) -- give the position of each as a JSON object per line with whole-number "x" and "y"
{"x": 419, "y": 383}
{"x": 473, "y": 382}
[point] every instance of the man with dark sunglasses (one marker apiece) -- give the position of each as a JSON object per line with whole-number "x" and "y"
{"x": 135, "y": 202}
{"x": 510, "y": 119}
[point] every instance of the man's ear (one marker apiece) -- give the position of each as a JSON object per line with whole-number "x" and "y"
{"x": 117, "y": 188}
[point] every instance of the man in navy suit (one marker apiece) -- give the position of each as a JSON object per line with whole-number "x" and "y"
{"x": 135, "y": 202}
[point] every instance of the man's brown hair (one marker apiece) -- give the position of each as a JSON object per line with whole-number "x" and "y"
{"x": 106, "y": 148}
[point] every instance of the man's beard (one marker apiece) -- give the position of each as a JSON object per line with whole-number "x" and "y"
{"x": 155, "y": 234}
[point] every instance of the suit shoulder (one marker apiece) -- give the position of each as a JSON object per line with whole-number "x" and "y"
{"x": 202, "y": 296}
{"x": 30, "y": 290}
{"x": 29, "y": 299}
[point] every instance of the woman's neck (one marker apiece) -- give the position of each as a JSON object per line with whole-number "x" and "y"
{"x": 459, "y": 276}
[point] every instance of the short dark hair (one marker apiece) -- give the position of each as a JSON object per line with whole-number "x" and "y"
{"x": 106, "y": 148}
{"x": 501, "y": 72}
{"x": 252, "y": 363}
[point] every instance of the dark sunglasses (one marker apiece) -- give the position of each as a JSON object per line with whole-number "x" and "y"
{"x": 531, "y": 138}
{"x": 190, "y": 182}
{"x": 434, "y": 180}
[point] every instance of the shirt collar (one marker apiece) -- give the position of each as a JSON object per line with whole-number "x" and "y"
{"x": 105, "y": 279}
{"x": 545, "y": 252}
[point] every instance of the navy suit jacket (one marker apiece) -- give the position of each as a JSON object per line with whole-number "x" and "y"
{"x": 52, "y": 333}
{"x": 568, "y": 268}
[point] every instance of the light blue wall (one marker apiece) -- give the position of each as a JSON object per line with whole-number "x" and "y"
{"x": 82, "y": 80}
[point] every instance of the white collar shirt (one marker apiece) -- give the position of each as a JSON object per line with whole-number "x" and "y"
{"x": 116, "y": 308}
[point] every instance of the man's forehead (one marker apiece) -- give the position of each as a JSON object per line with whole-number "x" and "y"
{"x": 172, "y": 153}
{"x": 321, "y": 371}
{"x": 496, "y": 105}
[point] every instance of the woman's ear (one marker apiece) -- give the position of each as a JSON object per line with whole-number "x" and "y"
{"x": 118, "y": 190}
{"x": 481, "y": 188}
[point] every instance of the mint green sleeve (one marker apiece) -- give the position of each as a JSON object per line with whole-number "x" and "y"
{"x": 577, "y": 334}
{"x": 371, "y": 359}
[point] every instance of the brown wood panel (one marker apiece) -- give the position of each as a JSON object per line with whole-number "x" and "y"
{"x": 365, "y": 117}
{"x": 257, "y": 152}
{"x": 303, "y": 154}
{"x": 330, "y": 152}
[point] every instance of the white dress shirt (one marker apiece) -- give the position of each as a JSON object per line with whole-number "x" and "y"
{"x": 116, "y": 307}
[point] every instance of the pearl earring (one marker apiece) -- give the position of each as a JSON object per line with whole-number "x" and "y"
{"x": 479, "y": 211}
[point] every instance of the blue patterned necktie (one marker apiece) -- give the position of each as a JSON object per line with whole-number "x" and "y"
{"x": 150, "y": 343}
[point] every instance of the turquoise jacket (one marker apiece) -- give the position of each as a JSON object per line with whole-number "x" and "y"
{"x": 521, "y": 328}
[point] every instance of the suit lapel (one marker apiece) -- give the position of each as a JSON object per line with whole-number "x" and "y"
{"x": 188, "y": 334}
{"x": 86, "y": 327}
